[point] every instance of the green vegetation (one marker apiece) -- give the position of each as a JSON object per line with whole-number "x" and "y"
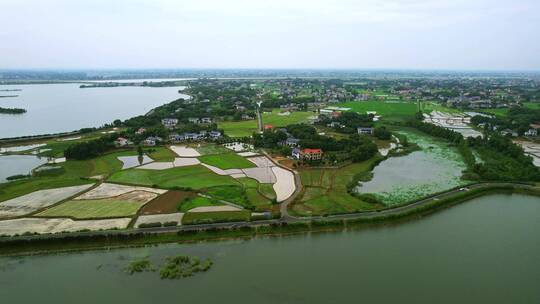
{"x": 99, "y": 208}
{"x": 183, "y": 266}
{"x": 161, "y": 154}
{"x": 246, "y": 128}
{"x": 227, "y": 161}
{"x": 12, "y": 111}
{"x": 325, "y": 190}
{"x": 234, "y": 194}
{"x": 21, "y": 187}
{"x": 209, "y": 149}
{"x": 194, "y": 177}
{"x": 387, "y": 110}
{"x": 138, "y": 266}
{"x": 193, "y": 218}
{"x": 198, "y": 201}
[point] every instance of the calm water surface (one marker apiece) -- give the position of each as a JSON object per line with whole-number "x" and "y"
{"x": 483, "y": 251}
{"x": 54, "y": 108}
{"x": 18, "y": 164}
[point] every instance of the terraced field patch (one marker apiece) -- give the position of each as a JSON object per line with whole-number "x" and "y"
{"x": 226, "y": 161}
{"x": 120, "y": 206}
{"x": 195, "y": 177}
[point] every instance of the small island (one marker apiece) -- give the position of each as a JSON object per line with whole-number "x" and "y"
{"x": 12, "y": 111}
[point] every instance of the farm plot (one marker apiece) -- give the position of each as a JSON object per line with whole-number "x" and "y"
{"x": 44, "y": 225}
{"x": 134, "y": 161}
{"x": 37, "y": 200}
{"x": 284, "y": 185}
{"x": 197, "y": 202}
{"x": 120, "y": 206}
{"x": 107, "y": 190}
{"x": 325, "y": 191}
{"x": 195, "y": 177}
{"x": 166, "y": 203}
{"x": 226, "y": 161}
{"x": 184, "y": 151}
{"x": 178, "y": 162}
{"x": 160, "y": 218}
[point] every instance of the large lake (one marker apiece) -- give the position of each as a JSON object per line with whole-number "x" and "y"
{"x": 483, "y": 251}
{"x": 54, "y": 108}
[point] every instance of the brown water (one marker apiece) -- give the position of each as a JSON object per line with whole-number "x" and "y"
{"x": 483, "y": 251}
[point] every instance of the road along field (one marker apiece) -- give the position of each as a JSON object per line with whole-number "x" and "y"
{"x": 37, "y": 200}
{"x": 43, "y": 225}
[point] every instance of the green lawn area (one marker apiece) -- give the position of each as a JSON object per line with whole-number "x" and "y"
{"x": 532, "y": 105}
{"x": 227, "y": 161}
{"x": 163, "y": 154}
{"x": 195, "y": 177}
{"x": 388, "y": 110}
{"x": 85, "y": 209}
{"x": 192, "y": 218}
{"x": 208, "y": 149}
{"x": 246, "y": 128}
{"x": 325, "y": 191}
{"x": 198, "y": 201}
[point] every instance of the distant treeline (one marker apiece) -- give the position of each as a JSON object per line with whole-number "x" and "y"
{"x": 12, "y": 111}
{"x": 92, "y": 148}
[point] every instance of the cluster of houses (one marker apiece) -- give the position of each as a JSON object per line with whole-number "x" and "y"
{"x": 297, "y": 152}
{"x": 195, "y": 136}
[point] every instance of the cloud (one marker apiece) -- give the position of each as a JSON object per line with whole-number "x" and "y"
{"x": 293, "y": 33}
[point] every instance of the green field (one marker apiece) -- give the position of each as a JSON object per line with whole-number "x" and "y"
{"x": 195, "y": 177}
{"x": 21, "y": 187}
{"x": 198, "y": 201}
{"x": 101, "y": 208}
{"x": 246, "y": 128}
{"x": 192, "y": 218}
{"x": 387, "y": 110}
{"x": 208, "y": 149}
{"x": 325, "y": 191}
{"x": 162, "y": 154}
{"x": 258, "y": 195}
{"x": 226, "y": 161}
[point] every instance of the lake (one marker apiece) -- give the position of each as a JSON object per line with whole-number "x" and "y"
{"x": 18, "y": 164}
{"x": 482, "y": 251}
{"x": 54, "y": 108}
{"x": 434, "y": 168}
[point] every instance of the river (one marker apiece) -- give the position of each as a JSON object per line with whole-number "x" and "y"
{"x": 54, "y": 108}
{"x": 483, "y": 251}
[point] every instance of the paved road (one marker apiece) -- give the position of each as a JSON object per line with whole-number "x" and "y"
{"x": 285, "y": 219}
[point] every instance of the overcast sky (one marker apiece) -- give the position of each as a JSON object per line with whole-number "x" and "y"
{"x": 403, "y": 34}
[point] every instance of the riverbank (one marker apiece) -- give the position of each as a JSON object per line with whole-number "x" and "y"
{"x": 46, "y": 244}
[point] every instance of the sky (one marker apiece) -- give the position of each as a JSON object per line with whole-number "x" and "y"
{"x": 337, "y": 34}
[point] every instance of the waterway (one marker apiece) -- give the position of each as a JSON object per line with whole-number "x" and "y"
{"x": 53, "y": 108}
{"x": 18, "y": 164}
{"x": 483, "y": 251}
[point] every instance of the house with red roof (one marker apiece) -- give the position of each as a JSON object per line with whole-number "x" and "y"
{"x": 307, "y": 154}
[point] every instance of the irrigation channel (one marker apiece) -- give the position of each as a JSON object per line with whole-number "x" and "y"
{"x": 482, "y": 251}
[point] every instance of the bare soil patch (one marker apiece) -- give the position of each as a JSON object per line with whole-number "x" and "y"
{"x": 166, "y": 203}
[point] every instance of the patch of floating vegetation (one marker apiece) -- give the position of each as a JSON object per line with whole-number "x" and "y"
{"x": 141, "y": 265}
{"x": 434, "y": 168}
{"x": 184, "y": 266}
{"x": 177, "y": 267}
